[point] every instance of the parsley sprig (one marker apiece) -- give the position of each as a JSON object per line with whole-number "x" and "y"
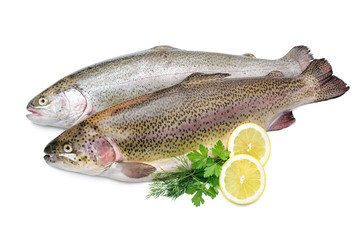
{"x": 197, "y": 175}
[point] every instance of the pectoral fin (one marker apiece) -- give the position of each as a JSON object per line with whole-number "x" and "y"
{"x": 201, "y": 77}
{"x": 137, "y": 170}
{"x": 130, "y": 171}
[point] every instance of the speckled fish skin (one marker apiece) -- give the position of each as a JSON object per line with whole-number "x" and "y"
{"x": 132, "y": 139}
{"x": 105, "y": 84}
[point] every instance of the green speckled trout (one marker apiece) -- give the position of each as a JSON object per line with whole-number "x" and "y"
{"x": 100, "y": 86}
{"x": 133, "y": 139}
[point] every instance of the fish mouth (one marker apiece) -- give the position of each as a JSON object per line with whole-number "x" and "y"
{"x": 44, "y": 117}
{"x": 33, "y": 113}
{"x": 52, "y": 159}
{"x": 67, "y": 164}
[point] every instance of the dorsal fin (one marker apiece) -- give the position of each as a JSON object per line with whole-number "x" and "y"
{"x": 249, "y": 55}
{"x": 275, "y": 74}
{"x": 163, "y": 47}
{"x": 300, "y": 54}
{"x": 201, "y": 77}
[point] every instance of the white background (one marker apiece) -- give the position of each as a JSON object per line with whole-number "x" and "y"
{"x": 313, "y": 175}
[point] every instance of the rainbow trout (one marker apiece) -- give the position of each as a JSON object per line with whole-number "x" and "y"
{"x": 141, "y": 136}
{"x": 105, "y": 84}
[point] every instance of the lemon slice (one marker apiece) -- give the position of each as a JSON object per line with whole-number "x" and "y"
{"x": 250, "y": 139}
{"x": 242, "y": 179}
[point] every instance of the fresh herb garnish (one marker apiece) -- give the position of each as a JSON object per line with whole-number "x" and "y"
{"x": 197, "y": 174}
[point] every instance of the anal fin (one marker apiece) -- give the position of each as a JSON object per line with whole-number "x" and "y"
{"x": 283, "y": 121}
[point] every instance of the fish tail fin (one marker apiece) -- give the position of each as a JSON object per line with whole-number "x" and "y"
{"x": 325, "y": 86}
{"x": 301, "y": 54}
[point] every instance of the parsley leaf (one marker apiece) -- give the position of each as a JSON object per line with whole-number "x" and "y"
{"x": 197, "y": 198}
{"x": 224, "y": 155}
{"x": 204, "y": 151}
{"x": 195, "y": 156}
{"x": 212, "y": 168}
{"x": 213, "y": 181}
{"x": 212, "y": 192}
{"x": 200, "y": 164}
{"x": 218, "y": 148}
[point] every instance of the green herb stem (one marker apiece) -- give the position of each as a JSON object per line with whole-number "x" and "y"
{"x": 198, "y": 179}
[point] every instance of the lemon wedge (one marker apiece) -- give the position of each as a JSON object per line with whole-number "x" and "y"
{"x": 250, "y": 139}
{"x": 242, "y": 179}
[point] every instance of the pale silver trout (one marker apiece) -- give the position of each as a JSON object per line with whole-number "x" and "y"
{"x": 135, "y": 138}
{"x": 105, "y": 84}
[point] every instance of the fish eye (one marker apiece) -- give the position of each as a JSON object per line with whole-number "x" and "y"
{"x": 68, "y": 148}
{"x": 43, "y": 101}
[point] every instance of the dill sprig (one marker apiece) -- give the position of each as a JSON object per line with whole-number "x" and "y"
{"x": 172, "y": 184}
{"x": 197, "y": 174}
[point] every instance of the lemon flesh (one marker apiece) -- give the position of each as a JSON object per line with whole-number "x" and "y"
{"x": 252, "y": 140}
{"x": 242, "y": 179}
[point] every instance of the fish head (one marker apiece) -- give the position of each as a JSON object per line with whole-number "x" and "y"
{"x": 59, "y": 106}
{"x": 82, "y": 149}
